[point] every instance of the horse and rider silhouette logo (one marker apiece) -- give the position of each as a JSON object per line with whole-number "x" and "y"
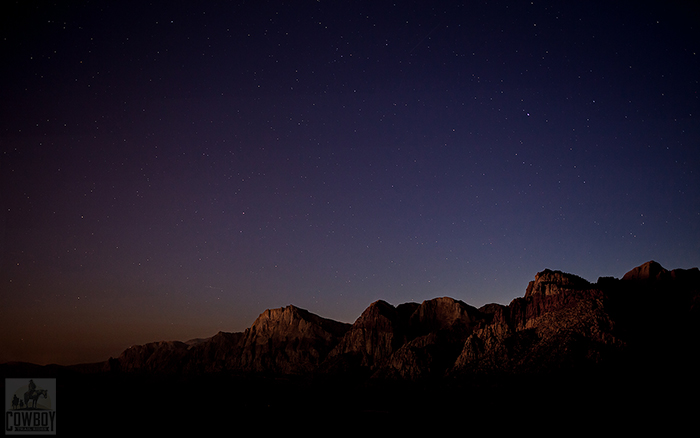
{"x": 30, "y": 406}
{"x": 28, "y": 397}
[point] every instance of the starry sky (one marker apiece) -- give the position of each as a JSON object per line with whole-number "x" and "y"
{"x": 172, "y": 169}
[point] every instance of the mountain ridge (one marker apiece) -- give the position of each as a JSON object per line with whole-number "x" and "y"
{"x": 567, "y": 353}
{"x": 562, "y": 322}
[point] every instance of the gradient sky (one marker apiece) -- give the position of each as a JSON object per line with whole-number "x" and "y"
{"x": 170, "y": 170}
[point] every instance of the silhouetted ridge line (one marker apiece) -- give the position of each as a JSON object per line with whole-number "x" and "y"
{"x": 562, "y": 323}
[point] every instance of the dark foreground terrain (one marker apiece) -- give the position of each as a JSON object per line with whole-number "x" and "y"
{"x": 632, "y": 398}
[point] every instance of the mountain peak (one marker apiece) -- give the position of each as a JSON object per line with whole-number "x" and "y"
{"x": 442, "y": 313}
{"x": 289, "y": 340}
{"x": 648, "y": 271}
{"x": 550, "y": 282}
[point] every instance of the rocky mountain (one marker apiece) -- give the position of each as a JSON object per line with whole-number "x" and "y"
{"x": 408, "y": 341}
{"x": 218, "y": 353}
{"x": 373, "y": 338}
{"x": 568, "y": 353}
{"x": 562, "y": 323}
{"x": 649, "y": 271}
{"x": 289, "y": 340}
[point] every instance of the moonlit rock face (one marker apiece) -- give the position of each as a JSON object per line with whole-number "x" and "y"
{"x": 162, "y": 356}
{"x": 648, "y": 271}
{"x": 443, "y": 313}
{"x": 550, "y": 282}
{"x": 289, "y": 340}
{"x": 374, "y": 336}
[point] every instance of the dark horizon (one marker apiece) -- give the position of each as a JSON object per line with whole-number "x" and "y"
{"x": 171, "y": 171}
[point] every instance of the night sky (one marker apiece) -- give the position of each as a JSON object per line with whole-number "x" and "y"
{"x": 171, "y": 170}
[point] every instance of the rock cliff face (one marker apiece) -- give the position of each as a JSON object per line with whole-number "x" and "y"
{"x": 550, "y": 282}
{"x": 409, "y": 341}
{"x": 161, "y": 357}
{"x": 648, "y": 271}
{"x": 436, "y": 331}
{"x": 288, "y": 340}
{"x": 219, "y": 353}
{"x": 563, "y": 322}
{"x": 570, "y": 328}
{"x": 372, "y": 339}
